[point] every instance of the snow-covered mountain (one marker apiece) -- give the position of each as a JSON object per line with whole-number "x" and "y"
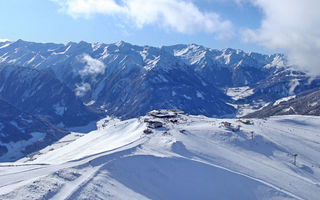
{"x": 41, "y": 93}
{"x": 72, "y": 84}
{"x": 22, "y": 133}
{"x": 226, "y": 67}
{"x": 306, "y": 103}
{"x": 162, "y": 155}
{"x": 124, "y": 79}
{"x": 189, "y": 157}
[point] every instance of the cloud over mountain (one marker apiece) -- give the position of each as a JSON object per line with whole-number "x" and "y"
{"x": 290, "y": 25}
{"x": 178, "y": 15}
{"x": 93, "y": 66}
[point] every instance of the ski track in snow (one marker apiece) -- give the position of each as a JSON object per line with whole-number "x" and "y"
{"x": 118, "y": 161}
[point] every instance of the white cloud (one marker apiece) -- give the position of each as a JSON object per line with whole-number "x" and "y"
{"x": 3, "y": 40}
{"x": 291, "y": 25}
{"x": 180, "y": 15}
{"x": 86, "y": 8}
{"x": 93, "y": 66}
{"x": 82, "y": 89}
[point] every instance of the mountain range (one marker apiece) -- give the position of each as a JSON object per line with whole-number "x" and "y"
{"x": 102, "y": 121}
{"x": 71, "y": 85}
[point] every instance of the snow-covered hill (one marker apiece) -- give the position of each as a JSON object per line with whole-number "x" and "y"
{"x": 194, "y": 157}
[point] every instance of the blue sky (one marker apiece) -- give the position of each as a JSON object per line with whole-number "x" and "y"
{"x": 45, "y": 21}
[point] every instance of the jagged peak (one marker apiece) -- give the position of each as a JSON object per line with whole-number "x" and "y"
{"x": 122, "y": 43}
{"x": 171, "y": 48}
{"x": 4, "y": 40}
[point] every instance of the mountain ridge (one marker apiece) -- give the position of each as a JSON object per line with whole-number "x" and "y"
{"x": 47, "y": 88}
{"x": 121, "y": 77}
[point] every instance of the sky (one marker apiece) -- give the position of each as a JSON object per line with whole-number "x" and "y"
{"x": 287, "y": 26}
{"x": 49, "y": 21}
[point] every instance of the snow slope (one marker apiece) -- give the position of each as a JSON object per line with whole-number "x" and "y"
{"x": 239, "y": 92}
{"x": 195, "y": 158}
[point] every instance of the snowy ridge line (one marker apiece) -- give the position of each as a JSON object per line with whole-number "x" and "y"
{"x": 121, "y": 160}
{"x": 49, "y": 169}
{"x": 253, "y": 178}
{"x": 247, "y": 176}
{"x": 20, "y": 164}
{"x": 265, "y": 163}
{"x": 293, "y": 174}
{"x": 67, "y": 192}
{"x": 22, "y": 171}
{"x": 69, "y": 189}
{"x": 128, "y": 146}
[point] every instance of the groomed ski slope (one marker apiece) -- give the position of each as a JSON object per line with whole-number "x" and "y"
{"x": 197, "y": 158}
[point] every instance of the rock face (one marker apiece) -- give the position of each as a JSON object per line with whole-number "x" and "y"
{"x": 22, "y": 133}
{"x": 70, "y": 83}
{"x": 306, "y": 103}
{"x": 42, "y": 94}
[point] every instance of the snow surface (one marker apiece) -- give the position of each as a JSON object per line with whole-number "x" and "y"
{"x": 14, "y": 148}
{"x": 284, "y": 99}
{"x": 196, "y": 158}
{"x": 239, "y": 92}
{"x": 245, "y": 109}
{"x": 59, "y": 109}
